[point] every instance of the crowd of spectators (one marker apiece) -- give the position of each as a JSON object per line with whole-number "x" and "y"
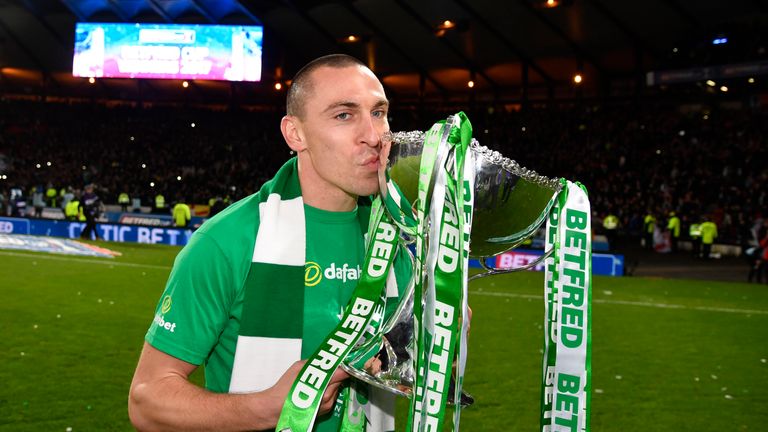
{"x": 693, "y": 160}
{"x": 189, "y": 154}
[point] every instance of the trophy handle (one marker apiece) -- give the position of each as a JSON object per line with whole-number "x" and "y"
{"x": 494, "y": 271}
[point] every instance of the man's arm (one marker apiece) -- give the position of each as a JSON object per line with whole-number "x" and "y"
{"x": 162, "y": 398}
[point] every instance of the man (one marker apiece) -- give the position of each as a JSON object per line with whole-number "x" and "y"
{"x": 50, "y": 195}
{"x": 72, "y": 209}
{"x": 611, "y": 225}
{"x": 181, "y": 214}
{"x": 649, "y": 226}
{"x": 708, "y": 235}
{"x": 67, "y": 197}
{"x": 694, "y": 232}
{"x": 673, "y": 226}
{"x": 37, "y": 201}
{"x": 123, "y": 199}
{"x": 336, "y": 115}
{"x": 90, "y": 203}
{"x": 159, "y": 204}
{"x": 136, "y": 201}
{"x": 18, "y": 202}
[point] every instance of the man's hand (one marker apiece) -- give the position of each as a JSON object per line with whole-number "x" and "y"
{"x": 279, "y": 392}
{"x": 163, "y": 399}
{"x": 373, "y": 365}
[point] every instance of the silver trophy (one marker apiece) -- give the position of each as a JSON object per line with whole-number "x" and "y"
{"x": 511, "y": 203}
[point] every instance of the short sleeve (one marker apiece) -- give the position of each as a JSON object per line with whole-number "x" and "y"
{"x": 195, "y": 306}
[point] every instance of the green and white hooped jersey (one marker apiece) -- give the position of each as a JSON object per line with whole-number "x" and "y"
{"x": 199, "y": 316}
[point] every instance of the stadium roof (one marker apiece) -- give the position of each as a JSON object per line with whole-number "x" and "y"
{"x": 509, "y": 49}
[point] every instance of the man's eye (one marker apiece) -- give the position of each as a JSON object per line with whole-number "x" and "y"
{"x": 379, "y": 114}
{"x": 342, "y": 116}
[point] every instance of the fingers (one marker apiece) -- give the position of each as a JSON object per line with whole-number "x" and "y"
{"x": 329, "y": 397}
{"x": 373, "y": 365}
{"x": 328, "y": 400}
{"x": 332, "y": 391}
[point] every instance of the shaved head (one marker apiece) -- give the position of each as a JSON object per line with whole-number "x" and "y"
{"x": 301, "y": 87}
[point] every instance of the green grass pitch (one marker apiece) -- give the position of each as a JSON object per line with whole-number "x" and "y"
{"x": 668, "y": 355}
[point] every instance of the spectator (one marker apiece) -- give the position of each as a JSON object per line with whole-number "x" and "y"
{"x": 708, "y": 236}
{"x": 649, "y": 226}
{"x": 673, "y": 225}
{"x": 91, "y": 206}
{"x": 38, "y": 202}
{"x": 123, "y": 199}
{"x": 181, "y": 214}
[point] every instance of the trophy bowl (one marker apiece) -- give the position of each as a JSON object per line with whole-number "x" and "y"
{"x": 511, "y": 202}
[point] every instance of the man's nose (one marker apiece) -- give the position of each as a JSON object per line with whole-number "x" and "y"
{"x": 371, "y": 131}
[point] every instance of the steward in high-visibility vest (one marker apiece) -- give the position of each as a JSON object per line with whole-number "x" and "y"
{"x": 708, "y": 235}
{"x": 51, "y": 194}
{"x": 72, "y": 209}
{"x": 123, "y": 199}
{"x": 181, "y": 215}
{"x": 673, "y": 225}
{"x": 611, "y": 222}
{"x": 694, "y": 231}
{"x": 649, "y": 225}
{"x": 159, "y": 203}
{"x": 611, "y": 225}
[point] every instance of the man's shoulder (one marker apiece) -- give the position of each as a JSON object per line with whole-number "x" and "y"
{"x": 226, "y": 239}
{"x": 238, "y": 219}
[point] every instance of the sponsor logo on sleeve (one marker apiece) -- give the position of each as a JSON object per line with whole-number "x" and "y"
{"x": 165, "y": 307}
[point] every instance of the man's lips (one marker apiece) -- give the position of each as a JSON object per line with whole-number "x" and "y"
{"x": 371, "y": 162}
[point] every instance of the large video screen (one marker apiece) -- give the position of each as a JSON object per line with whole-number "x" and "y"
{"x": 168, "y": 51}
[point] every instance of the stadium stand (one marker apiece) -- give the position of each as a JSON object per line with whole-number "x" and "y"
{"x": 695, "y": 161}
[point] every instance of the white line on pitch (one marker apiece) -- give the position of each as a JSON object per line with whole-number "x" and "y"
{"x": 483, "y": 293}
{"x": 633, "y": 303}
{"x": 90, "y": 261}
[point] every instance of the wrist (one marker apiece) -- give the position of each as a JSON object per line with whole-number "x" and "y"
{"x": 264, "y": 408}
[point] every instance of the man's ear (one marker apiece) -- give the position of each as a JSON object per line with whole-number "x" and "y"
{"x": 290, "y": 126}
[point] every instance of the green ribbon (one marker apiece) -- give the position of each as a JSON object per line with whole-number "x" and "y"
{"x": 426, "y": 168}
{"x": 567, "y": 359}
{"x": 399, "y": 208}
{"x": 437, "y": 323}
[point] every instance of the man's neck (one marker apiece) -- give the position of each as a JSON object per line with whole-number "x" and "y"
{"x": 318, "y": 193}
